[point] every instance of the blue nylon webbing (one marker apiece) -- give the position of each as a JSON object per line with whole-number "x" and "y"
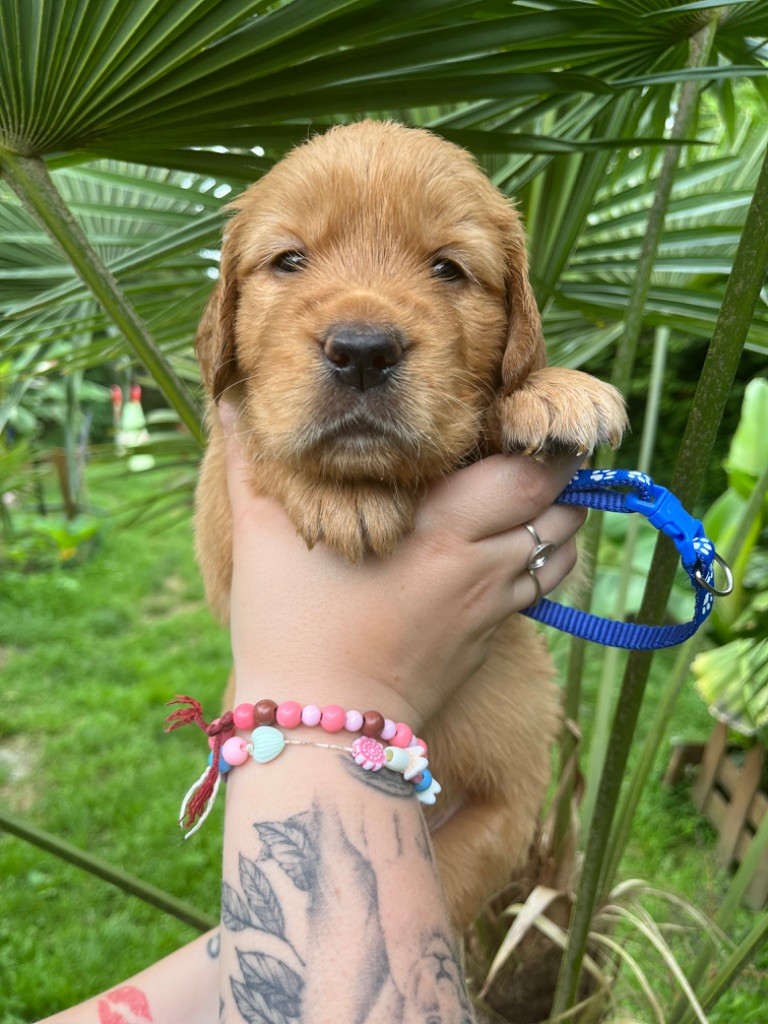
{"x": 623, "y": 490}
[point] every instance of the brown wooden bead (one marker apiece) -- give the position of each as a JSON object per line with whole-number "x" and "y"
{"x": 373, "y": 723}
{"x": 264, "y": 712}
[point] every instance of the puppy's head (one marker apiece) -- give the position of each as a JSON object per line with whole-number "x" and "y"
{"x": 373, "y": 299}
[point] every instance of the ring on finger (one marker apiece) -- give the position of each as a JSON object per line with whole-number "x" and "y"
{"x": 542, "y": 552}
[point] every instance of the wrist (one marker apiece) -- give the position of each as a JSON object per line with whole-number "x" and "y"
{"x": 312, "y": 690}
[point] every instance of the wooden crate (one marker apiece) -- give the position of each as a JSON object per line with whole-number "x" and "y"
{"x": 729, "y": 795}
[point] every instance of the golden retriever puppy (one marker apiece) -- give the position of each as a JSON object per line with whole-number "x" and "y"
{"x": 374, "y": 321}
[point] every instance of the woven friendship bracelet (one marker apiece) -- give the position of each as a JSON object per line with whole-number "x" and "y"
{"x": 405, "y": 755}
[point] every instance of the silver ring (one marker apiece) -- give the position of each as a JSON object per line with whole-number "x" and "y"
{"x": 702, "y": 582}
{"x": 541, "y": 553}
{"x": 536, "y": 584}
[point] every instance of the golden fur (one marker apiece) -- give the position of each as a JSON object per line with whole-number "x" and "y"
{"x": 372, "y": 206}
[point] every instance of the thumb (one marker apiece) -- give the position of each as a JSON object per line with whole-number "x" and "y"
{"x": 237, "y": 467}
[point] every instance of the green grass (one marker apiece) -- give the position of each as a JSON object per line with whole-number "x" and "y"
{"x": 89, "y": 655}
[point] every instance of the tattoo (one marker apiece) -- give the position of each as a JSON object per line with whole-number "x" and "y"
{"x": 391, "y": 783}
{"x": 398, "y": 837}
{"x": 424, "y": 842}
{"x": 398, "y": 975}
{"x": 124, "y": 1005}
{"x": 213, "y": 946}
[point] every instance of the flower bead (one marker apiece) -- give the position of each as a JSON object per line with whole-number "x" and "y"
{"x": 368, "y": 753}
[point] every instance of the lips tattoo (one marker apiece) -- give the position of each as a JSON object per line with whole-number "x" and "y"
{"x": 124, "y": 1005}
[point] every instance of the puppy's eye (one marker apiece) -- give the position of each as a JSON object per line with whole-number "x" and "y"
{"x": 447, "y": 270}
{"x": 290, "y": 262}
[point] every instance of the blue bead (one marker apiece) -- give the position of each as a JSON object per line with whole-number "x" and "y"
{"x": 426, "y": 781}
{"x": 224, "y": 766}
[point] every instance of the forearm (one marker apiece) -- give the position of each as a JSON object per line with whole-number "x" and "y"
{"x": 179, "y": 989}
{"x": 331, "y": 907}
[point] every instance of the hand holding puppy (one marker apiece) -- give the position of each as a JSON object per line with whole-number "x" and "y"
{"x": 399, "y": 635}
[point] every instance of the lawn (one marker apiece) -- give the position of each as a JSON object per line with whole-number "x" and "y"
{"x": 89, "y": 655}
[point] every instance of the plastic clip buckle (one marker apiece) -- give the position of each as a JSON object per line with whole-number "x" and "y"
{"x": 664, "y": 511}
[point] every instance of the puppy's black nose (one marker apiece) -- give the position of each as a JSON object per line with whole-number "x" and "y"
{"x": 361, "y": 355}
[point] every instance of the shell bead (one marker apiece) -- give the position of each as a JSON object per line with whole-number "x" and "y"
{"x": 373, "y": 723}
{"x": 403, "y": 735}
{"x": 311, "y": 715}
{"x": 243, "y": 716}
{"x": 368, "y": 753}
{"x": 333, "y": 718}
{"x": 264, "y": 712}
{"x": 353, "y": 722}
{"x": 266, "y": 744}
{"x": 235, "y": 751}
{"x": 288, "y": 714}
{"x": 397, "y": 759}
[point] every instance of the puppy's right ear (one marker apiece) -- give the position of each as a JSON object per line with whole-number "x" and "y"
{"x": 215, "y": 342}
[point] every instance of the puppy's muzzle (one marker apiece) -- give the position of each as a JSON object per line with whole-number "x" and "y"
{"x": 362, "y": 356}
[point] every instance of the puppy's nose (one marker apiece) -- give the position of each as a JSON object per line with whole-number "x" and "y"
{"x": 362, "y": 355}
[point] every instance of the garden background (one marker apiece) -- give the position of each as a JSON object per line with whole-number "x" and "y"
{"x": 633, "y": 133}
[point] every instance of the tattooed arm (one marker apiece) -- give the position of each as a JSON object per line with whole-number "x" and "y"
{"x": 331, "y": 906}
{"x": 179, "y": 989}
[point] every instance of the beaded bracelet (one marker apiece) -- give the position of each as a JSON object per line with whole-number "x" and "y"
{"x": 406, "y": 755}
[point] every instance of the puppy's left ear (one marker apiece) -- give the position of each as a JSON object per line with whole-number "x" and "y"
{"x": 215, "y": 343}
{"x": 525, "y": 350}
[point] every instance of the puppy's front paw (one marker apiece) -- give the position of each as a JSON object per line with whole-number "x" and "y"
{"x": 353, "y": 520}
{"x": 556, "y": 409}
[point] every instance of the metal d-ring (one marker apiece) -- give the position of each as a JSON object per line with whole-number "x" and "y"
{"x": 702, "y": 582}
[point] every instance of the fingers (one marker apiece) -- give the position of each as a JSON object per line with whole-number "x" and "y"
{"x": 497, "y": 493}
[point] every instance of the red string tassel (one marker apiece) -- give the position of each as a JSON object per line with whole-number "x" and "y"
{"x": 219, "y": 729}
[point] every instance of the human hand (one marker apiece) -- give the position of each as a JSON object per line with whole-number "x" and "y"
{"x": 398, "y": 635}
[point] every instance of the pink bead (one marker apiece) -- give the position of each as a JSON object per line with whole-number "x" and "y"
{"x": 243, "y": 716}
{"x": 419, "y": 742}
{"x": 210, "y": 742}
{"x": 403, "y": 735}
{"x": 353, "y": 721}
{"x": 333, "y": 718}
{"x": 288, "y": 714}
{"x": 234, "y": 751}
{"x": 389, "y": 730}
{"x": 311, "y": 715}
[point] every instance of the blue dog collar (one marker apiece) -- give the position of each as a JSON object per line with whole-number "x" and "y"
{"x": 625, "y": 490}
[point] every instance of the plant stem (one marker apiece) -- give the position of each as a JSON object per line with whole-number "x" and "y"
{"x": 101, "y": 869}
{"x": 644, "y": 764}
{"x": 613, "y": 656}
{"x": 621, "y": 375}
{"x": 741, "y": 294}
{"x": 30, "y": 180}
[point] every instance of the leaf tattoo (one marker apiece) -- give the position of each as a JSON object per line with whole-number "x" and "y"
{"x": 234, "y": 910}
{"x": 290, "y": 845}
{"x": 280, "y": 987}
{"x": 253, "y": 1008}
{"x": 262, "y": 899}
